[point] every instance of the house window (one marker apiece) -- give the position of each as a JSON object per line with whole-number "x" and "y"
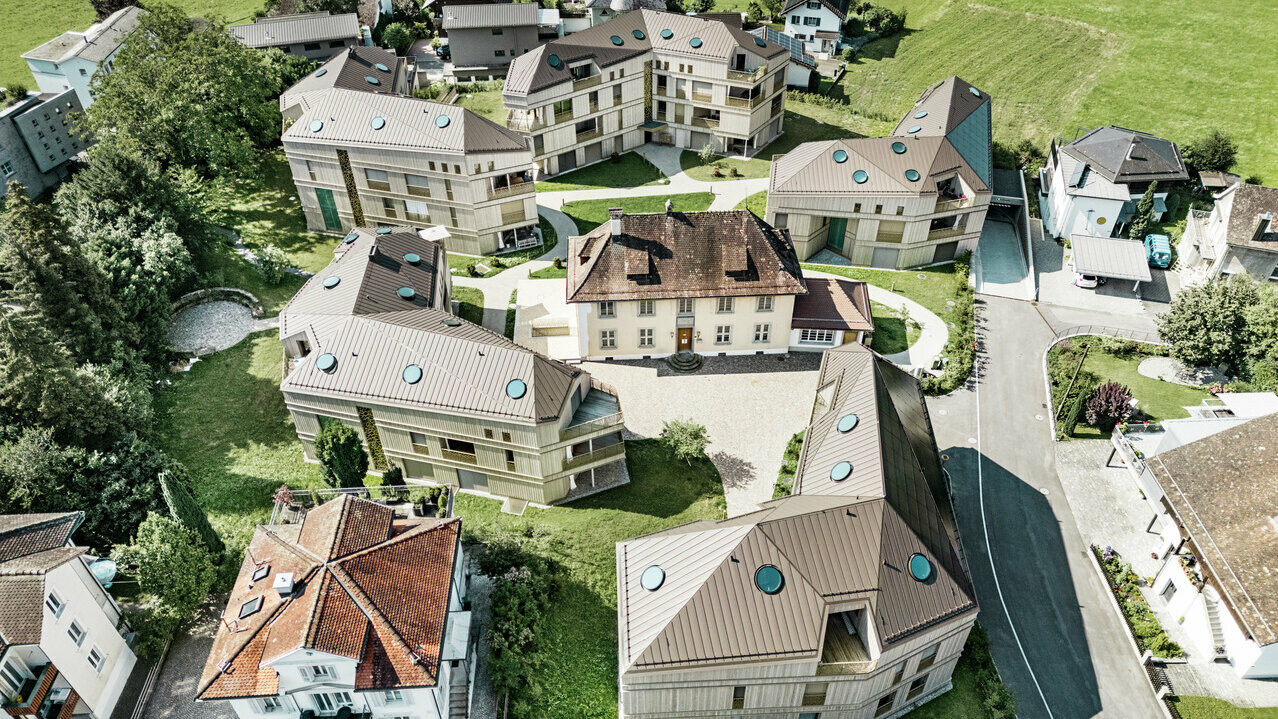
{"x": 334, "y": 44}
{"x": 417, "y": 185}
{"x": 900, "y": 210}
{"x": 377, "y": 179}
{"x": 738, "y": 697}
{"x": 54, "y": 603}
{"x": 811, "y": 21}
{"x": 510, "y": 460}
{"x": 647, "y": 308}
{"x": 499, "y": 53}
{"x": 928, "y": 658}
{"x": 393, "y": 696}
{"x": 488, "y": 434}
{"x": 96, "y": 659}
{"x": 416, "y": 211}
{"x": 763, "y": 332}
{"x": 856, "y": 208}
{"x": 608, "y": 339}
{"x": 685, "y": 305}
{"x": 330, "y": 702}
{"x": 83, "y": 72}
{"x": 795, "y": 20}
{"x": 319, "y": 671}
{"x": 814, "y": 694}
{"x": 781, "y": 220}
{"x": 268, "y": 705}
{"x": 456, "y": 169}
{"x": 388, "y": 207}
{"x": 310, "y": 169}
{"x": 496, "y": 31}
{"x": 6, "y": 167}
{"x": 723, "y": 334}
{"x": 418, "y": 440}
{"x": 763, "y": 304}
{"x": 646, "y": 337}
{"x": 878, "y": 209}
{"x": 899, "y": 674}
{"x": 452, "y": 217}
{"x": 12, "y": 676}
{"x": 76, "y": 633}
{"x": 311, "y": 47}
{"x": 724, "y": 305}
{"x": 505, "y": 436}
{"x": 885, "y": 704}
{"x": 1273, "y": 276}
{"x": 458, "y": 445}
{"x": 1168, "y": 592}
{"x": 607, "y": 308}
{"x": 816, "y": 337}
{"x": 431, "y": 166}
{"x": 916, "y": 688}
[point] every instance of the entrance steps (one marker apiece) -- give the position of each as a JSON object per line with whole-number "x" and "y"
{"x": 685, "y": 361}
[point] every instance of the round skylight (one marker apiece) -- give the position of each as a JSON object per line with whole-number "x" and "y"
{"x": 616, "y": 40}
{"x": 841, "y": 471}
{"x": 638, "y": 34}
{"x": 912, "y": 175}
{"x": 383, "y": 230}
{"x": 316, "y": 125}
{"x": 377, "y": 123}
{"x": 847, "y": 422}
{"x": 382, "y": 67}
{"x": 695, "y": 42}
{"x": 974, "y": 91}
{"x": 321, "y": 72}
{"x": 554, "y": 61}
{"x": 920, "y": 114}
{"x": 450, "y": 322}
{"x": 407, "y": 293}
{"x": 442, "y": 121}
{"x": 759, "y": 41}
{"x": 840, "y": 156}
{"x": 667, "y": 34}
{"x": 898, "y": 148}
{"x": 652, "y": 578}
{"x": 412, "y": 258}
{"x": 350, "y": 237}
{"x": 372, "y": 80}
{"x": 769, "y": 579}
{"x": 920, "y": 567}
{"x": 914, "y": 129}
{"x": 516, "y": 389}
{"x": 326, "y": 362}
{"x": 331, "y": 281}
{"x": 860, "y": 176}
{"x": 412, "y": 374}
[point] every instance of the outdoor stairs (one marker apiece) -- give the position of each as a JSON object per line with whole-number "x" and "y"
{"x": 684, "y": 361}
{"x": 1213, "y": 621}
{"x": 459, "y": 694}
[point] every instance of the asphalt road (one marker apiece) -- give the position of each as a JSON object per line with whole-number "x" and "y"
{"x": 1055, "y": 639}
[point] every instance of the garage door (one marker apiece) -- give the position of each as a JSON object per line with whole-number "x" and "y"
{"x": 568, "y": 161}
{"x": 593, "y": 152}
{"x": 945, "y": 252}
{"x": 701, "y": 139}
{"x": 884, "y": 257}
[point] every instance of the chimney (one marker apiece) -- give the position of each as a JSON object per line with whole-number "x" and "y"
{"x": 669, "y": 207}
{"x": 284, "y": 584}
{"x": 614, "y": 214}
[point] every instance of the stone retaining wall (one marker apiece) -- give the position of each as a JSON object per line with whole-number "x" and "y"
{"x": 219, "y": 294}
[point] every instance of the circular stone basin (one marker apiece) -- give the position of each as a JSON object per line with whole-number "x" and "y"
{"x": 210, "y": 326}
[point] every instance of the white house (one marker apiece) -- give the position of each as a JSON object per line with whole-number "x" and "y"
{"x": 1238, "y": 235}
{"x": 818, "y": 23}
{"x": 63, "y": 645}
{"x": 801, "y": 65}
{"x": 1091, "y": 186}
{"x": 71, "y": 59}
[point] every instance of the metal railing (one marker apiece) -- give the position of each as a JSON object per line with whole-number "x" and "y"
{"x": 748, "y": 102}
{"x": 827, "y": 669}
{"x": 946, "y": 232}
{"x": 1106, "y": 331}
{"x": 455, "y": 456}
{"x": 612, "y": 451}
{"x": 590, "y": 426}
{"x": 292, "y": 509}
{"x": 589, "y": 135}
{"x": 947, "y": 205}
{"x": 747, "y": 75}
{"x": 520, "y": 188}
{"x": 524, "y": 121}
{"x": 706, "y": 122}
{"x": 587, "y": 82}
{"x": 702, "y": 97}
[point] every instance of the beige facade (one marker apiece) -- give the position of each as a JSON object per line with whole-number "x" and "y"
{"x": 635, "y": 329}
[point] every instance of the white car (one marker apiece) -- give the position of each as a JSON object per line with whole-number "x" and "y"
{"x": 1088, "y": 282}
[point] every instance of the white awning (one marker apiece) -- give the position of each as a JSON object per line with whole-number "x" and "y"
{"x": 1111, "y": 257}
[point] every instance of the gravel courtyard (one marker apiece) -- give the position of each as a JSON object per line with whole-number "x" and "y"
{"x": 751, "y": 405}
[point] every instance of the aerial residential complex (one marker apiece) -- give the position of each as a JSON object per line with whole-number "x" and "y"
{"x": 70, "y": 60}
{"x": 64, "y": 647}
{"x": 312, "y": 35}
{"x": 1238, "y": 235}
{"x": 371, "y": 342}
{"x": 353, "y": 608}
{"x": 848, "y": 599}
{"x": 917, "y": 197}
{"x": 363, "y": 151}
{"x": 647, "y": 77}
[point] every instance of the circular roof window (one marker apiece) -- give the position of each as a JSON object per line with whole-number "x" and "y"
{"x": 331, "y": 281}
{"x": 841, "y": 471}
{"x": 840, "y": 156}
{"x": 914, "y": 129}
{"x": 616, "y": 40}
{"x": 450, "y": 322}
{"x": 372, "y": 80}
{"x": 350, "y": 237}
{"x": 316, "y": 125}
{"x": 554, "y": 62}
{"x": 667, "y": 34}
{"x": 860, "y": 176}
{"x": 847, "y": 422}
{"x": 442, "y": 121}
{"x": 382, "y": 67}
{"x": 912, "y": 175}
{"x": 407, "y": 293}
{"x": 377, "y": 123}
{"x": 974, "y": 91}
{"x": 695, "y": 42}
{"x": 638, "y": 34}
{"x": 412, "y": 374}
{"x": 759, "y": 41}
{"x": 652, "y": 578}
{"x": 769, "y": 579}
{"x": 383, "y": 230}
{"x": 412, "y": 258}
{"x": 516, "y": 389}
{"x": 920, "y": 114}
{"x": 920, "y": 567}
{"x": 898, "y": 148}
{"x": 326, "y": 362}
{"x": 321, "y": 72}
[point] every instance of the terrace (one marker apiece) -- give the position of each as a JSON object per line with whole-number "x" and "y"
{"x": 844, "y": 651}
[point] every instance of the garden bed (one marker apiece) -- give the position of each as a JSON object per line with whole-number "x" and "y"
{"x": 1125, "y": 586}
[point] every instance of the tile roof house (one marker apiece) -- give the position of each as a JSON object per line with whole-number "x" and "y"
{"x": 371, "y": 341}
{"x": 1238, "y": 235}
{"x": 70, "y": 60}
{"x": 64, "y": 647}
{"x": 849, "y": 597}
{"x": 351, "y": 608}
{"x": 916, "y": 197}
{"x": 312, "y": 35}
{"x": 1091, "y": 185}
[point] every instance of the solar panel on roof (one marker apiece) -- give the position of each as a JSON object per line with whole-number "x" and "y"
{"x": 695, "y": 42}
{"x": 912, "y": 175}
{"x": 412, "y": 374}
{"x": 331, "y": 282}
{"x": 516, "y": 388}
{"x": 326, "y": 362}
{"x": 442, "y": 121}
{"x": 377, "y": 123}
{"x": 667, "y": 34}
{"x": 860, "y": 176}
{"x": 841, "y": 471}
{"x": 898, "y": 148}
{"x": 382, "y": 67}
{"x": 652, "y": 578}
{"x": 616, "y": 40}
{"x": 840, "y": 156}
{"x": 316, "y": 125}
{"x": 769, "y": 579}
{"x": 407, "y": 293}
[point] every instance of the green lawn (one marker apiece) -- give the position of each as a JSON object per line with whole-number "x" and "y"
{"x": 228, "y": 269}
{"x": 630, "y": 170}
{"x": 470, "y": 302}
{"x": 28, "y": 24}
{"x": 487, "y": 103}
{"x": 264, "y": 209}
{"x": 579, "y": 634}
{"x": 892, "y": 333}
{"x": 1058, "y": 64}
{"x": 756, "y": 203}
{"x": 931, "y": 287}
{"x": 589, "y": 214}
{"x": 1210, "y": 708}
{"x": 549, "y": 273}
{"x": 1156, "y": 398}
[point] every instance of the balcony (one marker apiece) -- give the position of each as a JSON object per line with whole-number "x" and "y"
{"x": 945, "y": 232}
{"x": 702, "y": 97}
{"x": 588, "y": 135}
{"x": 33, "y": 691}
{"x": 455, "y": 456}
{"x": 710, "y": 123}
{"x": 602, "y": 454}
{"x": 599, "y": 410}
{"x": 525, "y": 121}
{"x": 844, "y": 652}
{"x": 586, "y": 82}
{"x": 750, "y": 76}
{"x": 511, "y": 190}
{"x": 746, "y": 102}
{"x": 953, "y": 204}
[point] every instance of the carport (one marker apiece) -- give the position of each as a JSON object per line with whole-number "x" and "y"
{"x": 1111, "y": 257}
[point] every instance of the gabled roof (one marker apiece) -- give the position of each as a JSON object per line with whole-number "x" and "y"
{"x": 1126, "y": 156}
{"x": 1253, "y": 217}
{"x": 376, "y": 592}
{"x": 467, "y": 17}
{"x": 349, "y": 70}
{"x": 683, "y": 254}
{"x": 942, "y": 107}
{"x": 833, "y": 304}
{"x": 306, "y": 27}
{"x": 532, "y": 71}
{"x": 623, "y": 6}
{"x": 31, "y": 545}
{"x": 812, "y": 168}
{"x": 374, "y": 335}
{"x": 94, "y": 44}
{"x": 841, "y": 15}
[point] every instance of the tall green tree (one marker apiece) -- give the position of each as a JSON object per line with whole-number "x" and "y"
{"x": 173, "y": 565}
{"x": 175, "y": 488}
{"x": 686, "y": 438}
{"x": 1144, "y": 215}
{"x": 1213, "y": 152}
{"x": 1206, "y": 326}
{"x": 341, "y": 455}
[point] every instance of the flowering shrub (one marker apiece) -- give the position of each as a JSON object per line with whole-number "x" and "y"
{"x": 1125, "y": 585}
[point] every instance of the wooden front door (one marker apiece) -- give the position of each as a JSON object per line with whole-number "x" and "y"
{"x": 685, "y": 339}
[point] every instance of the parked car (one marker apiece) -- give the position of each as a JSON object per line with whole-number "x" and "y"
{"x": 445, "y": 54}
{"x": 1158, "y": 250}
{"x": 1088, "y": 282}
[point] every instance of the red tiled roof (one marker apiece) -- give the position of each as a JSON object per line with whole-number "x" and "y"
{"x": 834, "y": 305}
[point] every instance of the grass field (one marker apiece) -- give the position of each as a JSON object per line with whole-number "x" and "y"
{"x": 1174, "y": 68}
{"x": 931, "y": 287}
{"x": 756, "y": 203}
{"x": 892, "y": 332}
{"x": 630, "y": 170}
{"x": 589, "y": 214}
{"x": 487, "y": 103}
{"x": 470, "y": 304}
{"x": 1209, "y": 708}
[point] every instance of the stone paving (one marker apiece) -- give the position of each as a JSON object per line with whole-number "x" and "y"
{"x": 210, "y": 326}
{"x": 1171, "y": 370}
{"x": 174, "y": 694}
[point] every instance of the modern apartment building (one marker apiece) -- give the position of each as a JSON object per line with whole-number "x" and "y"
{"x": 914, "y": 198}
{"x": 64, "y": 647}
{"x": 647, "y": 77}
{"x": 352, "y": 612}
{"x": 38, "y": 140}
{"x": 371, "y": 342}
{"x": 313, "y": 35}
{"x": 363, "y": 151}
{"x": 849, "y": 599}
{"x": 1238, "y": 235}
{"x": 70, "y": 60}
{"x": 484, "y": 39}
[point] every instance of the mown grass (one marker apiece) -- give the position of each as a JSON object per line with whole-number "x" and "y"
{"x": 756, "y": 203}
{"x": 629, "y": 170}
{"x": 470, "y": 303}
{"x": 487, "y": 103}
{"x": 589, "y": 214}
{"x": 931, "y": 287}
{"x": 893, "y": 330}
{"x": 510, "y": 315}
{"x": 1212, "y": 708}
{"x": 459, "y": 264}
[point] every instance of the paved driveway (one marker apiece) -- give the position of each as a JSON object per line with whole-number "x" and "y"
{"x": 751, "y": 405}
{"x": 1056, "y": 286}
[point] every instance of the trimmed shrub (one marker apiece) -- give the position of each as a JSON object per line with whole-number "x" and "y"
{"x": 341, "y": 455}
{"x": 1109, "y": 405}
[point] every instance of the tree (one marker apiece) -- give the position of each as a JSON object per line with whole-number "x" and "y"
{"x": 105, "y": 8}
{"x": 685, "y": 438}
{"x": 397, "y": 37}
{"x": 707, "y": 154}
{"x": 516, "y": 610}
{"x": 760, "y": 10}
{"x": 174, "y": 486}
{"x": 1109, "y": 405}
{"x": 1213, "y": 152}
{"x": 1261, "y": 321}
{"x": 1205, "y": 325}
{"x": 173, "y": 565}
{"x": 341, "y": 455}
{"x": 1144, "y": 216}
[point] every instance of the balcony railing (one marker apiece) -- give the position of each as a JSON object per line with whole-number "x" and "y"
{"x": 524, "y": 121}
{"x": 587, "y": 82}
{"x": 747, "y": 75}
{"x": 33, "y": 692}
{"x": 519, "y": 188}
{"x": 455, "y": 456}
{"x": 706, "y": 122}
{"x": 828, "y": 669}
{"x": 702, "y": 97}
{"x": 749, "y": 102}
{"x": 587, "y": 135}
{"x": 512, "y": 216}
{"x": 612, "y": 451}
{"x": 946, "y": 232}
{"x": 958, "y": 204}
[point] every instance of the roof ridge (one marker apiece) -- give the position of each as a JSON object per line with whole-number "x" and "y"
{"x": 421, "y": 528}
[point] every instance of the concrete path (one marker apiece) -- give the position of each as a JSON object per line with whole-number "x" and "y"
{"x": 1000, "y": 264}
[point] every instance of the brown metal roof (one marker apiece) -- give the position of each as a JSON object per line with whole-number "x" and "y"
{"x": 811, "y": 168}
{"x": 465, "y": 17}
{"x": 683, "y": 254}
{"x": 947, "y": 103}
{"x": 307, "y": 27}
{"x": 833, "y": 304}
{"x": 347, "y": 70}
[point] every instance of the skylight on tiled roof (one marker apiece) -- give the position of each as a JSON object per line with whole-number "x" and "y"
{"x": 251, "y": 607}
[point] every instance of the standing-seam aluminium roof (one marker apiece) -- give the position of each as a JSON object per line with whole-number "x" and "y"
{"x": 1112, "y": 257}
{"x": 298, "y": 28}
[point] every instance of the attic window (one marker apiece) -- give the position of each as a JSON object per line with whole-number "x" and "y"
{"x": 316, "y": 125}
{"x": 920, "y": 114}
{"x": 555, "y": 62}
{"x": 251, "y": 607}
{"x": 450, "y": 322}
{"x": 769, "y": 579}
{"x": 860, "y": 177}
{"x": 350, "y": 237}
{"x": 516, "y": 389}
{"x": 898, "y": 148}
{"x": 261, "y": 572}
{"x": 667, "y": 34}
{"x": 974, "y": 91}
{"x": 331, "y": 281}
{"x": 847, "y": 422}
{"x": 914, "y": 129}
{"x": 616, "y": 40}
{"x": 760, "y": 42}
{"x": 372, "y": 80}
{"x": 442, "y": 121}
{"x": 326, "y": 362}
{"x": 407, "y": 293}
{"x": 652, "y": 578}
{"x": 377, "y": 123}
{"x": 840, "y": 156}
{"x": 382, "y": 67}
{"x": 841, "y": 471}
{"x": 321, "y": 72}
{"x": 920, "y": 568}
{"x": 695, "y": 42}
{"x": 412, "y": 258}
{"x": 638, "y": 34}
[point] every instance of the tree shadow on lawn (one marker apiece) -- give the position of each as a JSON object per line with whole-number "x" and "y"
{"x": 267, "y": 210}
{"x": 889, "y": 335}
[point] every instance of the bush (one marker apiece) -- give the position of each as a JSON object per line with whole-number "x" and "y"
{"x": 960, "y": 350}
{"x": 398, "y": 37}
{"x": 814, "y": 81}
{"x": 686, "y": 439}
{"x": 473, "y": 270}
{"x": 849, "y": 54}
{"x": 341, "y": 455}
{"x": 789, "y": 465}
{"x": 1213, "y": 152}
{"x": 1109, "y": 405}
{"x": 393, "y": 476}
{"x": 559, "y": 263}
{"x": 272, "y": 263}
{"x": 707, "y": 153}
{"x": 884, "y": 21}
{"x": 1077, "y": 408}
{"x": 173, "y": 568}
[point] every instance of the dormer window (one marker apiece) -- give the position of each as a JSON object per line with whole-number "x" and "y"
{"x": 319, "y": 672}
